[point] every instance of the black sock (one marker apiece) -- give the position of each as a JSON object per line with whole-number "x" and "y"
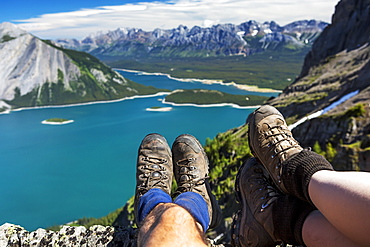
{"x": 289, "y": 214}
{"x": 298, "y": 170}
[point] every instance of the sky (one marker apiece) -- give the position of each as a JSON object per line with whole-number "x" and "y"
{"x": 79, "y": 18}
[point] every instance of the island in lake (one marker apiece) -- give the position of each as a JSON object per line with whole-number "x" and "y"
{"x": 205, "y": 97}
{"x": 57, "y": 121}
{"x": 158, "y": 108}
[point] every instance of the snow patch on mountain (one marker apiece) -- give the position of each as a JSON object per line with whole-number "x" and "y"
{"x": 325, "y": 110}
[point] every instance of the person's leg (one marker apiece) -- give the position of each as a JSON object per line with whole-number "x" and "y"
{"x": 190, "y": 167}
{"x": 154, "y": 172}
{"x": 344, "y": 199}
{"x": 272, "y": 143}
{"x": 317, "y": 231}
{"x": 162, "y": 223}
{"x": 267, "y": 216}
{"x": 170, "y": 225}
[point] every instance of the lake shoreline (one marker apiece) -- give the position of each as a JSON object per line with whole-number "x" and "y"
{"x": 129, "y": 98}
{"x": 87, "y": 103}
{"x": 249, "y": 88}
{"x": 246, "y": 88}
{"x": 210, "y": 105}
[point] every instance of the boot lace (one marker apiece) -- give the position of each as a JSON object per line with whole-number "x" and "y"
{"x": 154, "y": 174}
{"x": 280, "y": 140}
{"x": 188, "y": 181}
{"x": 262, "y": 189}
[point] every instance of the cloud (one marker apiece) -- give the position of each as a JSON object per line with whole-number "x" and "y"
{"x": 167, "y": 15}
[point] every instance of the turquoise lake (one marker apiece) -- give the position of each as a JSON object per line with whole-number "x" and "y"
{"x": 53, "y": 174}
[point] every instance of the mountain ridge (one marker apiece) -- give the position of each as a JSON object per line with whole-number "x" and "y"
{"x": 219, "y": 40}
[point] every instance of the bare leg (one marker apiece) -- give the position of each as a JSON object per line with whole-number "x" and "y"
{"x": 318, "y": 231}
{"x": 170, "y": 225}
{"x": 344, "y": 199}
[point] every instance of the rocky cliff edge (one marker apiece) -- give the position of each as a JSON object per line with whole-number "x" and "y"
{"x": 71, "y": 236}
{"x": 338, "y": 65}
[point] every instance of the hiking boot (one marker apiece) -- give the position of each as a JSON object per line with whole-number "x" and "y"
{"x": 271, "y": 141}
{"x": 154, "y": 167}
{"x": 191, "y": 173}
{"x": 253, "y": 223}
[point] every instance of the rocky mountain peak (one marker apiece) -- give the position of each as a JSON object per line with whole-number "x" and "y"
{"x": 305, "y": 25}
{"x": 7, "y": 28}
{"x": 221, "y": 39}
{"x": 350, "y": 29}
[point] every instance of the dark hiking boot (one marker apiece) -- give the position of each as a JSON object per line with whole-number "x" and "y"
{"x": 267, "y": 216}
{"x": 154, "y": 167}
{"x": 253, "y": 223}
{"x": 271, "y": 141}
{"x": 191, "y": 173}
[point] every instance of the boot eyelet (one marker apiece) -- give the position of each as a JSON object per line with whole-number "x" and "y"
{"x": 154, "y": 166}
{"x": 156, "y": 175}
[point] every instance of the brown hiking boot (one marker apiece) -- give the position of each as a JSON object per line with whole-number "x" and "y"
{"x": 253, "y": 224}
{"x": 154, "y": 167}
{"x": 191, "y": 173}
{"x": 271, "y": 141}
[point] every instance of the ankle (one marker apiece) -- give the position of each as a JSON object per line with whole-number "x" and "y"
{"x": 298, "y": 170}
{"x": 289, "y": 215}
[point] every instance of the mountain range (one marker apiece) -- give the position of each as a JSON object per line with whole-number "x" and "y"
{"x": 223, "y": 39}
{"x": 35, "y": 72}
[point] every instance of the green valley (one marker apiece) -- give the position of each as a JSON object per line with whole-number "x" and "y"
{"x": 274, "y": 70}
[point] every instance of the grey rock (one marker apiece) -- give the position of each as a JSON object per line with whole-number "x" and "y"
{"x": 71, "y": 236}
{"x": 349, "y": 30}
